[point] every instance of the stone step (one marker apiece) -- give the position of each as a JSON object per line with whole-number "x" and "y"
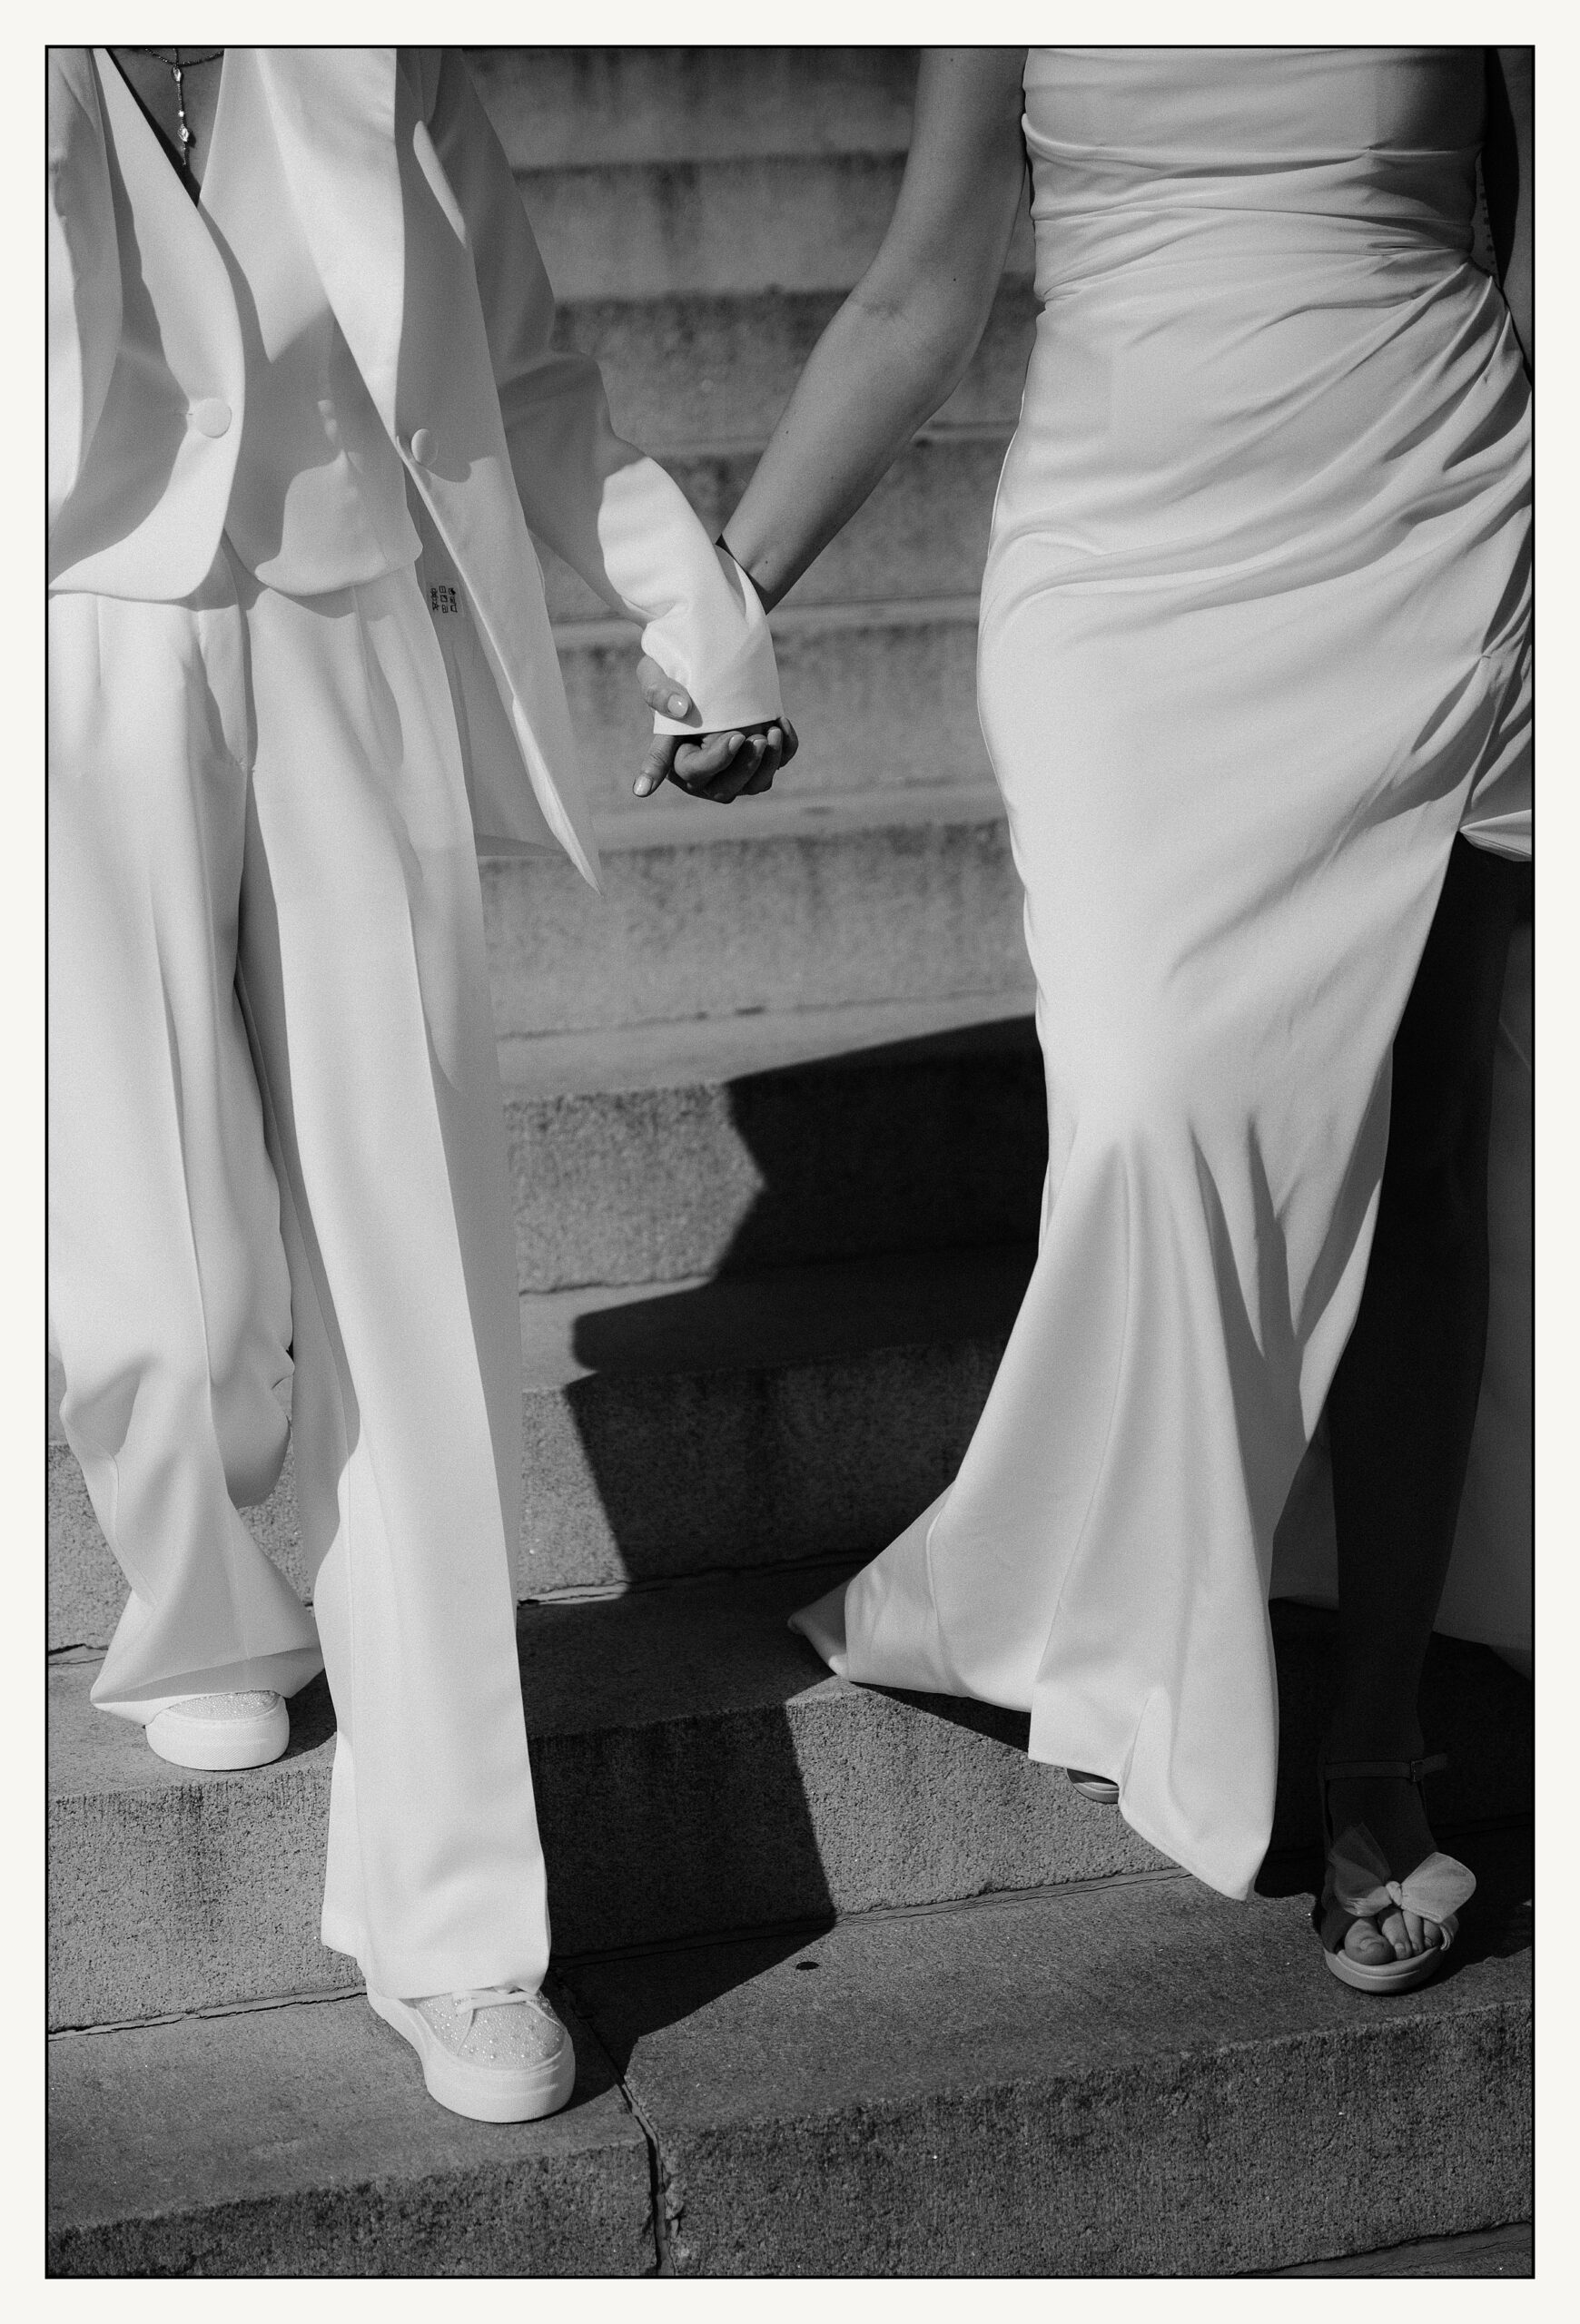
{"x": 299, "y": 2141}
{"x": 1127, "y": 2078}
{"x": 804, "y": 1411}
{"x": 690, "y": 371}
{"x": 647, "y": 230}
{"x": 1486, "y": 2252}
{"x": 923, "y": 534}
{"x": 785, "y": 902}
{"x": 732, "y": 1144}
{"x": 1138, "y": 2079}
{"x": 555, "y": 108}
{"x": 696, "y": 1769}
{"x": 883, "y": 695}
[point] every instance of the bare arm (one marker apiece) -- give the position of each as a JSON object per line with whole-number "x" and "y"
{"x": 897, "y": 346}
{"x": 901, "y": 341}
{"x": 1508, "y": 172}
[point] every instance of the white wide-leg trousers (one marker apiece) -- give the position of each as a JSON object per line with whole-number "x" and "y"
{"x": 277, "y": 1146}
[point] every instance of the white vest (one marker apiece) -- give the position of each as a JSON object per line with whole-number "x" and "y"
{"x": 404, "y": 198}
{"x": 315, "y": 492}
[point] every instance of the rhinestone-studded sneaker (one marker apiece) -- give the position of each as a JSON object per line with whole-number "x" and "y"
{"x": 245, "y": 1729}
{"x": 499, "y": 2054}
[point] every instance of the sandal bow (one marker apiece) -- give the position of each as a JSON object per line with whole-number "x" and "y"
{"x": 1359, "y": 1880}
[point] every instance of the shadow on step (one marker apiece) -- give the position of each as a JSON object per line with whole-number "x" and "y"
{"x": 869, "y": 1148}
{"x": 625, "y": 2002}
{"x": 720, "y": 1836}
{"x": 312, "y": 1719}
{"x": 823, "y": 1386}
{"x": 1473, "y": 1707}
{"x": 1497, "y": 1923}
{"x": 902, "y": 1146}
{"x": 669, "y": 1759}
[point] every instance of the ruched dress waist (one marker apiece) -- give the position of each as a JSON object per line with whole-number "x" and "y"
{"x": 1266, "y": 353}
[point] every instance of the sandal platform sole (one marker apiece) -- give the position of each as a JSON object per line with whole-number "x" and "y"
{"x": 1386, "y": 1976}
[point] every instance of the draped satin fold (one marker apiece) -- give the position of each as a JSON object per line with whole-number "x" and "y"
{"x": 1255, "y": 646}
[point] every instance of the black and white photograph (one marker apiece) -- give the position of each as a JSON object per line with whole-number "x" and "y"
{"x": 788, "y": 1129}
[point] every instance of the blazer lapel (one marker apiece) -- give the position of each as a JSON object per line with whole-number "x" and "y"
{"x": 334, "y": 111}
{"x": 84, "y": 268}
{"x": 389, "y": 243}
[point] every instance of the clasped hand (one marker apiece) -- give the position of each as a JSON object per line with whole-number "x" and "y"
{"x": 719, "y": 767}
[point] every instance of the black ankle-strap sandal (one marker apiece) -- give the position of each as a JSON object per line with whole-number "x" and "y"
{"x": 1358, "y": 1884}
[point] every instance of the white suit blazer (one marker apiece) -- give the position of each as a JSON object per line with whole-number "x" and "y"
{"x": 407, "y": 201}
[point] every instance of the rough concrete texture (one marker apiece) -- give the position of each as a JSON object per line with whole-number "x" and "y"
{"x": 551, "y": 107}
{"x": 924, "y": 531}
{"x": 299, "y": 2141}
{"x": 740, "y": 1784}
{"x": 1491, "y": 2251}
{"x": 689, "y": 371}
{"x": 750, "y": 1420}
{"x": 936, "y": 1140}
{"x": 735, "y": 1424}
{"x": 1135, "y": 2079}
{"x": 1130, "y": 2078}
{"x": 796, "y": 222}
{"x": 712, "y": 1051}
{"x": 804, "y": 905}
{"x": 170, "y": 1890}
{"x": 883, "y": 695}
{"x": 696, "y": 1768}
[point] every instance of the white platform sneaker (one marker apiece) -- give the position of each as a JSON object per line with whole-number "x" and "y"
{"x": 499, "y": 2054}
{"x": 240, "y": 1730}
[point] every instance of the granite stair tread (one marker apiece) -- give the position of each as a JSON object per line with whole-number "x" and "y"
{"x": 696, "y": 1767}
{"x": 1124, "y": 2077}
{"x": 552, "y": 107}
{"x": 299, "y": 2141}
{"x": 739, "y": 222}
{"x": 769, "y": 903}
{"x": 800, "y": 1411}
{"x": 817, "y": 1312}
{"x": 711, "y": 1052}
{"x": 686, "y": 371}
{"x": 1131, "y": 2078}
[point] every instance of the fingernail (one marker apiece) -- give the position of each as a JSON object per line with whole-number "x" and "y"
{"x": 677, "y": 706}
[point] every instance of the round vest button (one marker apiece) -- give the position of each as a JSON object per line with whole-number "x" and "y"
{"x": 422, "y": 446}
{"x": 210, "y": 416}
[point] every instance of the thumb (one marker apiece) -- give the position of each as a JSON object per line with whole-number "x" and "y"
{"x": 655, "y": 767}
{"x": 662, "y": 693}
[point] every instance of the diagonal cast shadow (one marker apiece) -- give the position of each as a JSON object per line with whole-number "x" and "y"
{"x": 790, "y": 1410}
{"x": 716, "y": 1854}
{"x": 756, "y": 1421}
{"x": 627, "y": 1999}
{"x": 1473, "y": 1706}
{"x": 662, "y": 1735}
{"x": 753, "y": 1420}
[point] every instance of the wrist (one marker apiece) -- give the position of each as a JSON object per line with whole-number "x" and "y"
{"x": 767, "y": 597}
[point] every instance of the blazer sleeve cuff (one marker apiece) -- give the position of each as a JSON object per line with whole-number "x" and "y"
{"x": 725, "y": 662}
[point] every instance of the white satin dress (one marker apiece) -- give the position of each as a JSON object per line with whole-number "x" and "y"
{"x": 1255, "y": 646}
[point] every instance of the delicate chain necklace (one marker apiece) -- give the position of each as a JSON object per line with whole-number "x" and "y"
{"x": 175, "y": 64}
